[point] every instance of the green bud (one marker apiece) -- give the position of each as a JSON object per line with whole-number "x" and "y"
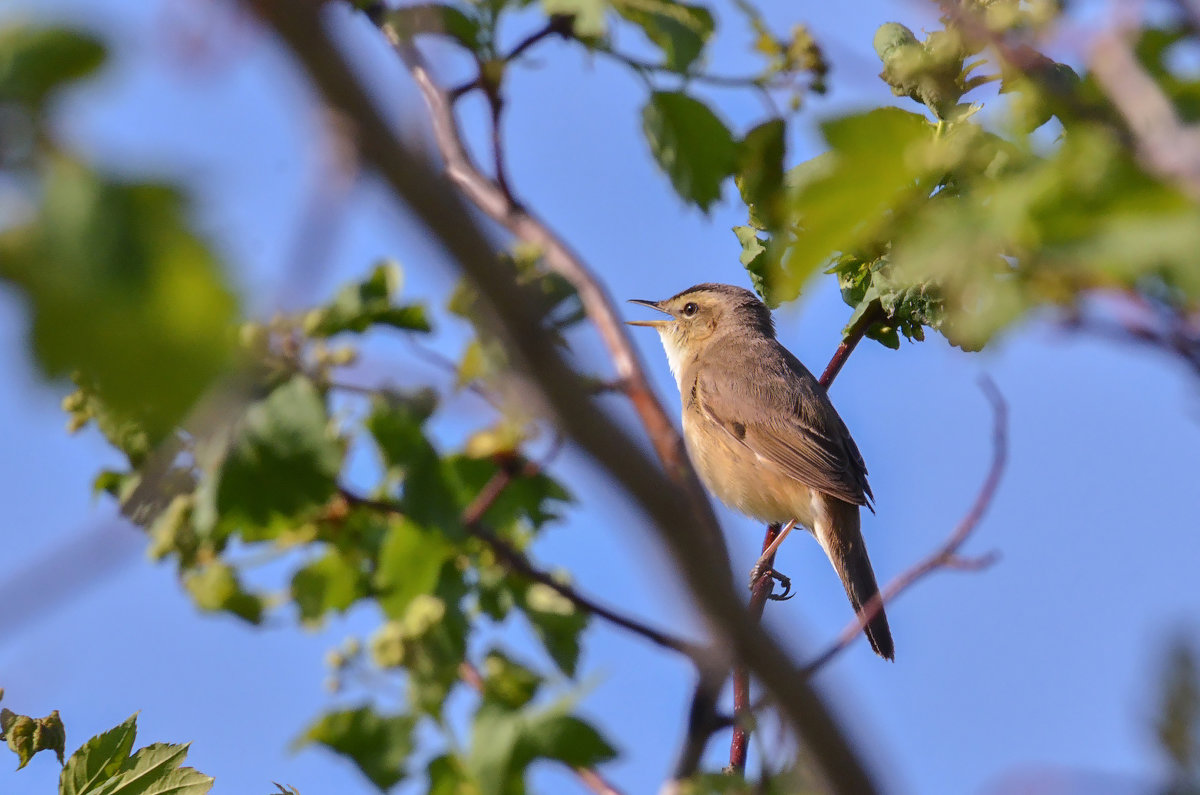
{"x": 891, "y": 35}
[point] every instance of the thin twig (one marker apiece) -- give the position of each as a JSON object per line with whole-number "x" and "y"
{"x": 515, "y": 560}
{"x": 588, "y": 776}
{"x": 945, "y": 556}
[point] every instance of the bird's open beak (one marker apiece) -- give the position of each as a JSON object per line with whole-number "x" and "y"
{"x": 650, "y": 323}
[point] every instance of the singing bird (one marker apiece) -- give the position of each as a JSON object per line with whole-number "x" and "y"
{"x": 762, "y": 433}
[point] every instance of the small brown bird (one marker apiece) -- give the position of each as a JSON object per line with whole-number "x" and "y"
{"x": 762, "y": 433}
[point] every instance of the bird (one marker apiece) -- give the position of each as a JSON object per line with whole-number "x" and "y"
{"x": 763, "y": 435}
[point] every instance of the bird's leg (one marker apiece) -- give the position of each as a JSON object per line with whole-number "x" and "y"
{"x": 763, "y": 565}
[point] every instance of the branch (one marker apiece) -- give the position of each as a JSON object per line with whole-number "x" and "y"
{"x": 516, "y": 561}
{"x": 946, "y": 556}
{"x": 674, "y": 502}
{"x": 760, "y": 592}
{"x": 587, "y": 775}
{"x": 1165, "y": 145}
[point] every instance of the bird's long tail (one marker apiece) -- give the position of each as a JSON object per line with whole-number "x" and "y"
{"x": 843, "y": 543}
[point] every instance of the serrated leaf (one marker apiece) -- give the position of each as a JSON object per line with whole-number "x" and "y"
{"x": 98, "y": 759}
{"x": 332, "y": 582}
{"x": 678, "y": 29}
{"x": 378, "y": 745}
{"x": 690, "y": 144}
{"x": 283, "y": 458}
{"x": 155, "y": 770}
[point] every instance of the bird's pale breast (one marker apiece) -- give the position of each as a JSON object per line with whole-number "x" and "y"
{"x": 740, "y": 478}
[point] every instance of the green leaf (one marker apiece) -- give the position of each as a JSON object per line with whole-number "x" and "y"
{"x": 588, "y": 14}
{"x": 216, "y": 587}
{"x": 410, "y": 564}
{"x": 332, "y": 582}
{"x": 396, "y": 421}
{"x": 567, "y": 739}
{"x": 504, "y": 742}
{"x": 379, "y": 745}
{"x": 155, "y": 770}
{"x": 27, "y": 736}
{"x": 846, "y": 200}
{"x": 760, "y": 171}
{"x": 283, "y": 459}
{"x": 507, "y": 682}
{"x": 690, "y": 144}
{"x": 557, "y": 623}
{"x": 35, "y": 63}
{"x": 122, "y": 292}
{"x": 357, "y": 307}
{"x": 678, "y": 29}
{"x": 98, "y": 759}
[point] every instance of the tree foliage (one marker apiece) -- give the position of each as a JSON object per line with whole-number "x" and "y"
{"x": 934, "y": 214}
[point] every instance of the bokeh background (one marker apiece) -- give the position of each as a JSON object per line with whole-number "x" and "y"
{"x": 1041, "y": 674}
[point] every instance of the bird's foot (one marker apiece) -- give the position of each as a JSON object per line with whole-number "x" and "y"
{"x": 760, "y": 570}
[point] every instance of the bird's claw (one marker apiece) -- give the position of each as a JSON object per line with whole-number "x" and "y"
{"x": 759, "y": 571}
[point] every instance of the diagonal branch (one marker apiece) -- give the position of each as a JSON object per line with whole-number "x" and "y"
{"x": 674, "y": 504}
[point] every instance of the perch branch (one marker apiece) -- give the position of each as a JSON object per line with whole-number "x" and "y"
{"x": 760, "y": 592}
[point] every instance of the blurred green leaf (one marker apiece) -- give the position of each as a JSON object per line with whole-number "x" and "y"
{"x": 678, "y": 29}
{"x": 379, "y": 745}
{"x": 284, "y": 457}
{"x": 333, "y": 581}
{"x": 36, "y": 62}
{"x": 760, "y": 172}
{"x": 98, "y": 759}
{"x": 122, "y": 292}
{"x": 504, "y": 742}
{"x": 557, "y": 623}
{"x": 588, "y": 14}
{"x": 357, "y": 307}
{"x": 410, "y": 564}
{"x": 216, "y": 586}
{"x": 507, "y": 682}
{"x": 690, "y": 144}
{"x": 845, "y": 199}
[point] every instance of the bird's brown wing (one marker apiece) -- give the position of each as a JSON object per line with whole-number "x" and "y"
{"x": 786, "y": 419}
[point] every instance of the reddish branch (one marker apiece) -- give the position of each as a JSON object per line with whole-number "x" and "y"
{"x": 761, "y": 590}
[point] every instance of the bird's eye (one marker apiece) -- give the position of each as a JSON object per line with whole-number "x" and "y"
{"x": 690, "y": 309}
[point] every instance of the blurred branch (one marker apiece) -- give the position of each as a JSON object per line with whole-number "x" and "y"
{"x": 947, "y": 555}
{"x": 587, "y": 775}
{"x": 1162, "y": 141}
{"x": 677, "y": 508}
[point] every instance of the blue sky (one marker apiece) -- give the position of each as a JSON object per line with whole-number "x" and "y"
{"x": 1044, "y": 667}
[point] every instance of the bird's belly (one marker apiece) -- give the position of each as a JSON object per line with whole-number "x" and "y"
{"x": 742, "y": 480}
